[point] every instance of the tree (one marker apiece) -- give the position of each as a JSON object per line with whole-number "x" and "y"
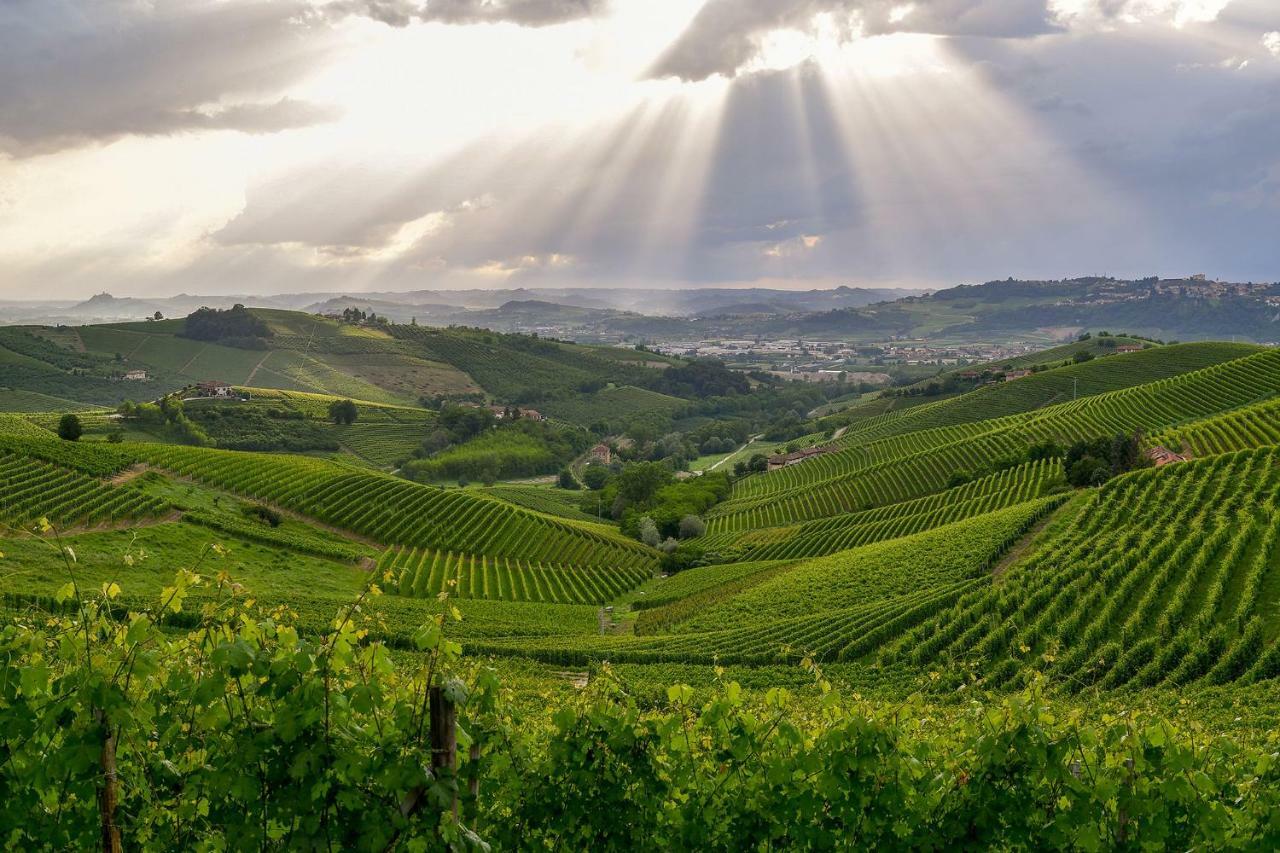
{"x": 759, "y": 463}
{"x": 691, "y": 527}
{"x": 1082, "y": 356}
{"x": 567, "y": 480}
{"x": 649, "y": 532}
{"x": 157, "y": 316}
{"x": 69, "y": 428}
{"x": 343, "y": 412}
{"x": 595, "y": 476}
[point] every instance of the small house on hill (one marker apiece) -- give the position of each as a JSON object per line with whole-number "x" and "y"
{"x": 1129, "y": 348}
{"x": 136, "y": 376}
{"x": 601, "y": 453}
{"x": 213, "y": 389}
{"x": 786, "y": 460}
{"x": 1011, "y": 375}
{"x": 1163, "y": 456}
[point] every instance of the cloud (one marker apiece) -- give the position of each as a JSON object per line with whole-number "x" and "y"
{"x": 726, "y": 35}
{"x": 75, "y": 72}
{"x": 527, "y": 13}
{"x": 1271, "y": 41}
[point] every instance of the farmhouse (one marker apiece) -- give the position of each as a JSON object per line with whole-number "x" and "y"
{"x": 785, "y": 460}
{"x": 1129, "y": 348}
{"x": 601, "y": 453}
{"x": 136, "y": 376}
{"x": 1163, "y": 456}
{"x": 216, "y": 388}
{"x": 1010, "y": 375}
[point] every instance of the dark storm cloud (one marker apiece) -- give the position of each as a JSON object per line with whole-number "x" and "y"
{"x": 76, "y": 72}
{"x": 725, "y": 34}
{"x": 527, "y": 13}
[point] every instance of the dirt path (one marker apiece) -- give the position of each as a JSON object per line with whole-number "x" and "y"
{"x": 145, "y": 337}
{"x": 77, "y": 342}
{"x": 129, "y": 474}
{"x": 193, "y": 358}
{"x": 252, "y": 373}
{"x": 578, "y": 679}
{"x": 123, "y": 524}
{"x": 1023, "y": 545}
{"x": 296, "y": 516}
{"x": 838, "y": 433}
{"x": 750, "y": 442}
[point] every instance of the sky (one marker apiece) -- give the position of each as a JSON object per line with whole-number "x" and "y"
{"x": 152, "y": 147}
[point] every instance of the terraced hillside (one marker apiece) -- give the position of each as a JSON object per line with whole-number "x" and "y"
{"x": 1168, "y": 576}
{"x": 838, "y": 607}
{"x": 424, "y": 573}
{"x": 1108, "y": 373}
{"x": 812, "y": 539}
{"x": 31, "y": 489}
{"x": 1250, "y": 426}
{"x": 902, "y": 467}
{"x": 398, "y": 512}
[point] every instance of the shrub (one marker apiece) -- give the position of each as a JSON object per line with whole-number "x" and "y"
{"x": 69, "y": 428}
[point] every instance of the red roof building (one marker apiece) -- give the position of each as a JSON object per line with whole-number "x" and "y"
{"x": 1163, "y": 456}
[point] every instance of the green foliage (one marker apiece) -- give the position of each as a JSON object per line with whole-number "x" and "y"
{"x": 701, "y": 379}
{"x": 595, "y": 476}
{"x": 425, "y": 573}
{"x": 343, "y": 412}
{"x": 869, "y": 471}
{"x": 117, "y": 732}
{"x": 523, "y": 448}
{"x": 31, "y": 490}
{"x": 69, "y": 428}
{"x": 395, "y": 511}
{"x": 1092, "y": 463}
{"x": 234, "y": 326}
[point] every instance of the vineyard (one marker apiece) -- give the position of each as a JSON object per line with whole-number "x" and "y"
{"x": 542, "y": 499}
{"x": 31, "y": 490}
{"x": 394, "y": 511}
{"x": 1250, "y": 426}
{"x": 1060, "y": 385}
{"x": 902, "y": 467}
{"x": 826, "y": 536}
{"x": 1169, "y": 577}
{"x": 424, "y": 573}
{"x": 929, "y": 607}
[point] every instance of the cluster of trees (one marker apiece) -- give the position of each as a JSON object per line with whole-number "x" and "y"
{"x": 701, "y": 379}
{"x": 1092, "y": 463}
{"x": 650, "y": 503}
{"x": 240, "y": 426}
{"x": 236, "y": 326}
{"x": 470, "y": 444}
{"x": 168, "y": 417}
{"x": 343, "y": 412}
{"x": 354, "y": 316}
{"x": 1087, "y": 463}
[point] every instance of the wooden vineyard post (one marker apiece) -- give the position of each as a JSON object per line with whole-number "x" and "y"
{"x": 444, "y": 739}
{"x": 107, "y": 793}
